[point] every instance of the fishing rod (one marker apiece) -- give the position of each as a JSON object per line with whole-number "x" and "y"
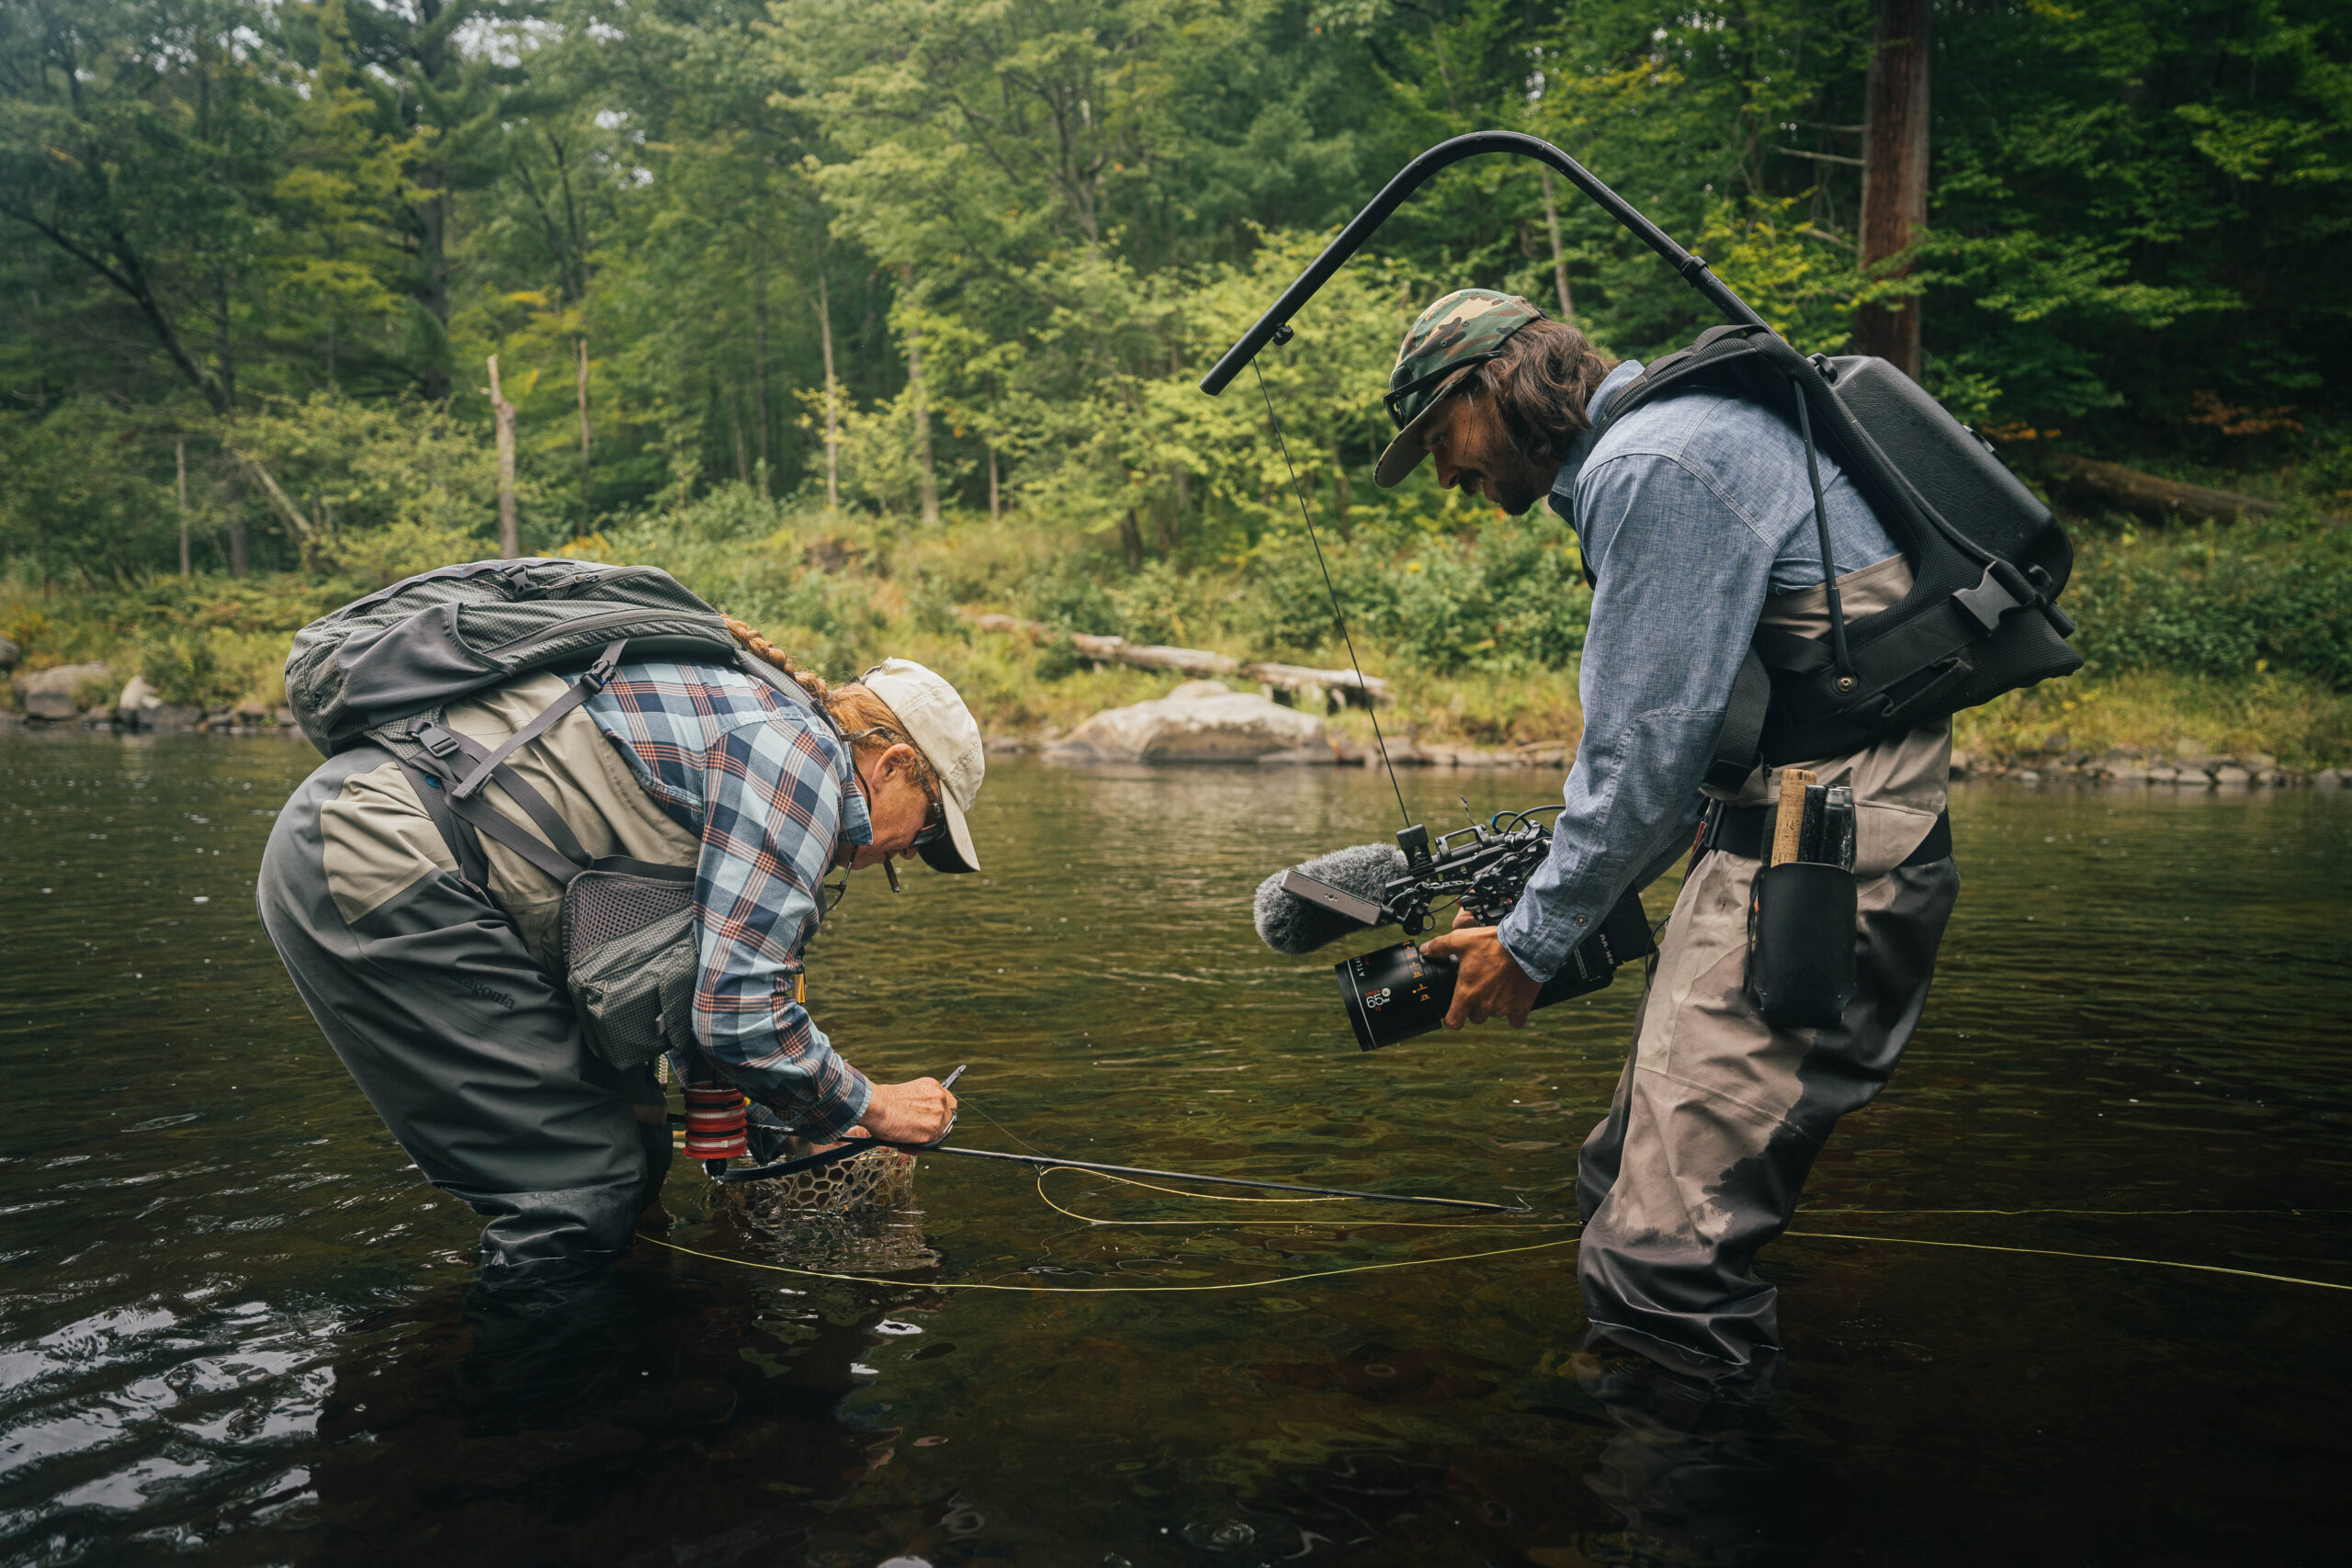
{"x": 939, "y": 1145}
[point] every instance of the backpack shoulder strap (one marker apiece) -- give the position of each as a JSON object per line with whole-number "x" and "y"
{"x": 593, "y": 680}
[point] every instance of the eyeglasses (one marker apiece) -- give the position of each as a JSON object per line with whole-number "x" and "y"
{"x": 1394, "y": 400}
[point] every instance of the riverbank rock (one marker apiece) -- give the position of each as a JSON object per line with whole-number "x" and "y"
{"x": 53, "y": 694}
{"x": 1200, "y": 721}
{"x": 9, "y": 653}
{"x": 136, "y": 707}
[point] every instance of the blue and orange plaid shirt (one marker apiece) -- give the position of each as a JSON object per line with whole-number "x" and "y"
{"x": 776, "y": 803}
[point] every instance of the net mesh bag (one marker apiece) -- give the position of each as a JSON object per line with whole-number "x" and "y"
{"x": 858, "y": 1213}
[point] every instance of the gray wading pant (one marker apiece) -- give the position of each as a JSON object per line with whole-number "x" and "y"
{"x": 459, "y": 1038}
{"x": 1718, "y": 1116}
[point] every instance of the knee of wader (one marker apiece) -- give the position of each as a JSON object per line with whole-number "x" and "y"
{"x": 544, "y": 1240}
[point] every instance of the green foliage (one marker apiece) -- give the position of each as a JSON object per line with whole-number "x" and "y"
{"x": 2217, "y": 604}
{"x": 75, "y": 503}
{"x": 183, "y": 667}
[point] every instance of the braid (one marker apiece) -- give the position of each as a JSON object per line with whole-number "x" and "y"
{"x": 816, "y": 685}
{"x": 851, "y": 704}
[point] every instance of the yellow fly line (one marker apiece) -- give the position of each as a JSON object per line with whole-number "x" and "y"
{"x": 1094, "y": 1221}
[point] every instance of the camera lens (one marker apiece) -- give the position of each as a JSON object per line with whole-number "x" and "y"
{"x": 1394, "y": 993}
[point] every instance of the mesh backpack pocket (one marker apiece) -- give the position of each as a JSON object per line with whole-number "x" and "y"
{"x": 629, "y": 943}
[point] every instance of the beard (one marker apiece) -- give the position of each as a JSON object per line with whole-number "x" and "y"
{"x": 1517, "y": 485}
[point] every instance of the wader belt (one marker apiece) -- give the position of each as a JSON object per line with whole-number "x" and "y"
{"x": 1746, "y": 832}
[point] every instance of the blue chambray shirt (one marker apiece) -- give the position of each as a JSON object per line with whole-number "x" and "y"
{"x": 775, "y": 800}
{"x": 1692, "y": 512}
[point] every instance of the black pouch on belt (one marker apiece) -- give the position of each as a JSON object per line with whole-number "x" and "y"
{"x": 1801, "y": 923}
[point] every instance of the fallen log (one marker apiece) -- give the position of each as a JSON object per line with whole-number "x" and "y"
{"x": 1314, "y": 686}
{"x": 2146, "y": 492}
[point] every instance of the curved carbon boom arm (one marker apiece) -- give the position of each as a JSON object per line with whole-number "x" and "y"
{"x": 1417, "y": 174}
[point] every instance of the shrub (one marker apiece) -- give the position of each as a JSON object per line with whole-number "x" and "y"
{"x": 2233, "y": 603}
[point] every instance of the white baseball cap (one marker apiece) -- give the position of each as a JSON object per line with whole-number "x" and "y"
{"x": 938, "y": 725}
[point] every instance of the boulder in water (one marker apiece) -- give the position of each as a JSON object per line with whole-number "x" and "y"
{"x": 1200, "y": 721}
{"x": 53, "y": 695}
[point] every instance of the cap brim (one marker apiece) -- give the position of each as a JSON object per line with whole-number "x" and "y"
{"x": 953, "y": 852}
{"x": 1404, "y": 454}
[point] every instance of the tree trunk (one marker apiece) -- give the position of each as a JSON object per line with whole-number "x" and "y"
{"x": 1894, "y": 171}
{"x": 1559, "y": 257}
{"x": 1131, "y": 540}
{"x": 586, "y": 518}
{"x": 2146, "y": 492}
{"x": 1343, "y": 493}
{"x": 240, "y": 561}
{"x": 927, "y": 474}
{"x": 994, "y": 509}
{"x": 832, "y": 397}
{"x": 179, "y": 459}
{"x": 760, "y": 357}
{"x": 510, "y": 538}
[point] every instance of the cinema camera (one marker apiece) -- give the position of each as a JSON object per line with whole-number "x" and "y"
{"x": 1400, "y": 992}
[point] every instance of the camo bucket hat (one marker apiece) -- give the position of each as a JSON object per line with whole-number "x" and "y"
{"x": 1466, "y": 328}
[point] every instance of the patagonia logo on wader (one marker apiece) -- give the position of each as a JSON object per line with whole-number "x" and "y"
{"x": 487, "y": 993}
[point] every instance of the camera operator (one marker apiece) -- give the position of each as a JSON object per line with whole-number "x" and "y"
{"x": 1696, "y": 518}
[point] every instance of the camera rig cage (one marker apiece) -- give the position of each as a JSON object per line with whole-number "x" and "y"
{"x": 1483, "y": 867}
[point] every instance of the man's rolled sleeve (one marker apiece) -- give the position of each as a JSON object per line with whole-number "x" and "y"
{"x": 775, "y": 811}
{"x": 1682, "y": 575}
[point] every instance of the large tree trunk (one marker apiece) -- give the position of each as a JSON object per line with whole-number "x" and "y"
{"x": 1894, "y": 171}
{"x": 510, "y": 539}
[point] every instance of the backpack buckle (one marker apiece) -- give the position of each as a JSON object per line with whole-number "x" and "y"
{"x": 2002, "y": 589}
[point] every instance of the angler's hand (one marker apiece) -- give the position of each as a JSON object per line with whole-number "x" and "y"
{"x": 909, "y": 1113}
{"x": 1490, "y": 984}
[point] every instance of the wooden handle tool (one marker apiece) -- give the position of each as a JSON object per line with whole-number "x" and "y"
{"x": 1787, "y": 828}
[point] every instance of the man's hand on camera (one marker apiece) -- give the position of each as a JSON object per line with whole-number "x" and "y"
{"x": 1491, "y": 983}
{"x": 909, "y": 1113}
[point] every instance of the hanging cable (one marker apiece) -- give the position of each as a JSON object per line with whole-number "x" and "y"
{"x": 1282, "y": 335}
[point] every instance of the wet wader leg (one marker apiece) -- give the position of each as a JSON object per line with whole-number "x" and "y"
{"x": 464, "y": 1046}
{"x": 1720, "y": 1117}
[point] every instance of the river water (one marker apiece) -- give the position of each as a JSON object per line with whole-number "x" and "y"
{"x": 233, "y": 1326}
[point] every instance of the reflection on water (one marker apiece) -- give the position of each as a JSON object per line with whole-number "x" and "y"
{"x": 233, "y": 1326}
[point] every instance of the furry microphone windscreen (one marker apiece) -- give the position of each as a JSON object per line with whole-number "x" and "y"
{"x": 1288, "y": 923}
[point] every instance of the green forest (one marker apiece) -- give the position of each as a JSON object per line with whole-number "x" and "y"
{"x": 859, "y": 315}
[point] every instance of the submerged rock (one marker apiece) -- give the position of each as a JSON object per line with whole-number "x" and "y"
{"x": 1200, "y": 721}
